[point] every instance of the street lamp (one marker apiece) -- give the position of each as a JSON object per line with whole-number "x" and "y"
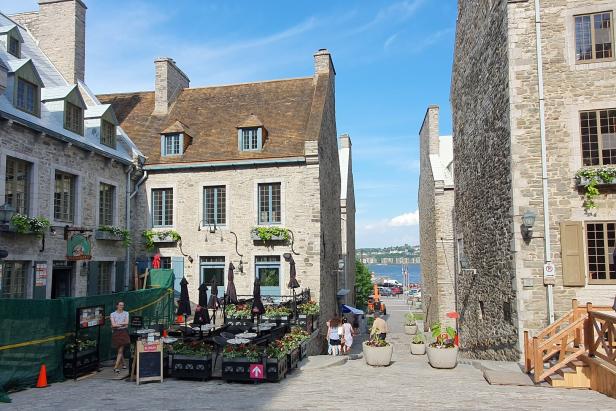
{"x": 528, "y": 221}
{"x": 6, "y": 213}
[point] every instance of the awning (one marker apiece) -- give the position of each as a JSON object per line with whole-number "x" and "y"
{"x": 352, "y": 310}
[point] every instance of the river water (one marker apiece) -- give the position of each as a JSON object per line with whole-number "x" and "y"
{"x": 394, "y": 271}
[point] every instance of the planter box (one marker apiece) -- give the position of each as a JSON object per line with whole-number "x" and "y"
{"x": 279, "y": 320}
{"x": 582, "y": 182}
{"x": 378, "y": 356}
{"x": 87, "y": 361}
{"x": 293, "y": 359}
{"x": 237, "y": 369}
{"x": 304, "y": 321}
{"x": 315, "y": 323}
{"x": 186, "y": 366}
{"x": 418, "y": 349}
{"x": 443, "y": 357}
{"x": 8, "y": 228}
{"x": 255, "y": 237}
{"x": 275, "y": 369}
{"x": 303, "y": 349}
{"x": 107, "y": 236}
{"x": 166, "y": 239}
{"x": 239, "y": 321}
{"x": 410, "y": 329}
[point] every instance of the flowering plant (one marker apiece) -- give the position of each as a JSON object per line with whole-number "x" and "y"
{"x": 237, "y": 311}
{"x": 309, "y": 308}
{"x": 192, "y": 348}
{"x": 250, "y": 352}
{"x": 444, "y": 338}
{"x": 275, "y": 311}
{"x": 275, "y": 349}
{"x": 590, "y": 177}
{"x": 300, "y": 333}
{"x": 24, "y": 224}
{"x": 376, "y": 341}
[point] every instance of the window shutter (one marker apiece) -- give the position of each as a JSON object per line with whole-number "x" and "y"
{"x": 181, "y": 143}
{"x": 162, "y": 146}
{"x": 259, "y": 138}
{"x": 177, "y": 265}
{"x": 93, "y": 278}
{"x": 572, "y": 253}
{"x": 239, "y": 139}
{"x": 119, "y": 276}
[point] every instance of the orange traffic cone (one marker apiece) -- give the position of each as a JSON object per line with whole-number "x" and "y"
{"x": 180, "y": 319}
{"x": 42, "y": 378}
{"x": 165, "y": 333}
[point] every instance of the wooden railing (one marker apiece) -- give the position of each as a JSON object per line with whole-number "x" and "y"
{"x": 601, "y": 336}
{"x": 566, "y": 340}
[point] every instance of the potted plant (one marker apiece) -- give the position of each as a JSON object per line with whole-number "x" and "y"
{"x": 308, "y": 314}
{"x": 192, "y": 360}
{"x": 418, "y": 345}
{"x": 279, "y": 315}
{"x": 410, "y": 326}
{"x": 377, "y": 352}
{"x": 275, "y": 361}
{"x": 236, "y": 361}
{"x": 303, "y": 337}
{"x": 22, "y": 224}
{"x": 443, "y": 352}
{"x": 238, "y": 314}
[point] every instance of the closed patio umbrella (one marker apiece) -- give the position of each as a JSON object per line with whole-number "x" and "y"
{"x": 231, "y": 293}
{"x": 292, "y": 273}
{"x": 202, "y": 315}
{"x": 184, "y": 300}
{"x": 203, "y": 295}
{"x": 213, "y": 303}
{"x": 257, "y": 304}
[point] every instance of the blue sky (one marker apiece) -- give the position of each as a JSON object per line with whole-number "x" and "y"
{"x": 392, "y": 58}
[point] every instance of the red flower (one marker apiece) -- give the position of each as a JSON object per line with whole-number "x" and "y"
{"x": 453, "y": 314}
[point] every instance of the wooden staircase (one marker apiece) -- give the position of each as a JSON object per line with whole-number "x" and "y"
{"x": 577, "y": 351}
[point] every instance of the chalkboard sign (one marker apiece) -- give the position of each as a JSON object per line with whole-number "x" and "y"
{"x": 136, "y": 321}
{"x": 149, "y": 361}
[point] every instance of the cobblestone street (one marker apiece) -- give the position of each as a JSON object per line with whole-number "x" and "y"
{"x": 408, "y": 383}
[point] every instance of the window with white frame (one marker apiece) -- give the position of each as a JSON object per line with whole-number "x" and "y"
{"x": 106, "y": 200}
{"x": 270, "y": 207}
{"x": 13, "y": 276}
{"x": 73, "y": 118}
{"x": 267, "y": 270}
{"x": 250, "y": 138}
{"x": 162, "y": 207}
{"x": 17, "y": 184}
{"x": 171, "y": 144}
{"x": 108, "y": 134}
{"x": 594, "y": 37}
{"x": 598, "y": 130}
{"x": 27, "y": 97}
{"x": 600, "y": 242}
{"x": 64, "y": 197}
{"x": 214, "y": 205}
{"x": 103, "y": 282}
{"x": 212, "y": 268}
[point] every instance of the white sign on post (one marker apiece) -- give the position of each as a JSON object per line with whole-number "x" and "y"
{"x": 549, "y": 276}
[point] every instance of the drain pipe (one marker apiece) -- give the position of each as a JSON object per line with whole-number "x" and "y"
{"x": 129, "y": 197}
{"x": 544, "y": 169}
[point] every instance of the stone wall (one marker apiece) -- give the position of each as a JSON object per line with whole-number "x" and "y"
{"x": 28, "y": 20}
{"x": 482, "y": 152}
{"x": 47, "y": 155}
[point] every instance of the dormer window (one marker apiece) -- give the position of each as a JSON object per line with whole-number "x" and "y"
{"x": 251, "y": 139}
{"x": 14, "y": 47}
{"x": 108, "y": 134}
{"x": 172, "y": 144}
{"x": 73, "y": 118}
{"x": 27, "y": 98}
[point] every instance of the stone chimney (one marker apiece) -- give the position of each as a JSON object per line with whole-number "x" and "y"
{"x": 345, "y": 141}
{"x": 323, "y": 64}
{"x": 61, "y": 32}
{"x": 169, "y": 83}
{"x": 430, "y": 130}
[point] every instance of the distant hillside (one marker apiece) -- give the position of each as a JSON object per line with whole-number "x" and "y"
{"x": 402, "y": 254}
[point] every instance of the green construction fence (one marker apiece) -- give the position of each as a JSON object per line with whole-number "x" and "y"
{"x": 34, "y": 332}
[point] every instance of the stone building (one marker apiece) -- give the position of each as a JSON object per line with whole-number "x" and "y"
{"x": 501, "y": 103}
{"x": 436, "y": 198}
{"x": 347, "y": 218}
{"x": 225, "y": 161}
{"x": 63, "y": 159}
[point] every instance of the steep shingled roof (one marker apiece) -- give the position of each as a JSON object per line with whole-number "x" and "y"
{"x": 213, "y": 115}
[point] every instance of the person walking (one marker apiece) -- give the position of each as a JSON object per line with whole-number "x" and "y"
{"x": 333, "y": 336}
{"x": 347, "y": 336}
{"x": 119, "y": 336}
{"x": 379, "y": 327}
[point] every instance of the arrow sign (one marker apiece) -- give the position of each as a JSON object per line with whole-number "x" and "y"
{"x": 256, "y": 371}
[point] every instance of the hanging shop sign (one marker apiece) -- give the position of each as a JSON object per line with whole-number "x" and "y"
{"x": 78, "y": 248}
{"x": 41, "y": 275}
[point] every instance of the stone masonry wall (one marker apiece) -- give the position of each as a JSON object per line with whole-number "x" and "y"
{"x": 28, "y": 20}
{"x": 47, "y": 155}
{"x": 569, "y": 89}
{"x": 482, "y": 150}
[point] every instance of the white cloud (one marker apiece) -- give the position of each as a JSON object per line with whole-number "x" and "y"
{"x": 390, "y": 40}
{"x": 405, "y": 220}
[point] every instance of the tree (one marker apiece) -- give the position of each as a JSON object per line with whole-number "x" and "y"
{"x": 363, "y": 282}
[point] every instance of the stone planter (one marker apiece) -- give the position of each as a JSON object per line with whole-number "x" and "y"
{"x": 410, "y": 329}
{"x": 107, "y": 236}
{"x": 418, "y": 349}
{"x": 377, "y": 356}
{"x": 443, "y": 357}
{"x": 187, "y": 366}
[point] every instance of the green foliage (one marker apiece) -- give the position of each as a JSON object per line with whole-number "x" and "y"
{"x": 192, "y": 348}
{"x": 363, "y": 282}
{"x": 268, "y": 233}
{"x": 376, "y": 341}
{"x": 250, "y": 352}
{"x": 26, "y": 225}
{"x": 418, "y": 339}
{"x": 590, "y": 178}
{"x": 309, "y": 308}
{"x": 275, "y": 350}
{"x": 410, "y": 319}
{"x": 117, "y": 231}
{"x": 149, "y": 236}
{"x": 237, "y": 311}
{"x": 273, "y": 311}
{"x": 444, "y": 338}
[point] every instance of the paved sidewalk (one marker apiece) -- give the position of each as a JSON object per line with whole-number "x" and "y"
{"x": 408, "y": 383}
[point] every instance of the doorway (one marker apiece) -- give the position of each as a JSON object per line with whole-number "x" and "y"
{"x": 213, "y": 267}
{"x": 62, "y": 280}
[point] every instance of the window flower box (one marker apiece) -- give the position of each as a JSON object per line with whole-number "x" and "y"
{"x": 191, "y": 367}
{"x": 107, "y": 236}
{"x": 275, "y": 369}
{"x": 591, "y": 179}
{"x": 151, "y": 237}
{"x": 267, "y": 234}
{"x": 166, "y": 239}
{"x": 584, "y": 181}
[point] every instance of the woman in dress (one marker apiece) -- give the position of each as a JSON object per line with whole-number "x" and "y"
{"x": 333, "y": 336}
{"x": 347, "y": 334}
{"x": 119, "y": 336}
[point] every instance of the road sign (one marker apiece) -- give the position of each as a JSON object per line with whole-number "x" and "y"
{"x": 549, "y": 276}
{"x": 256, "y": 372}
